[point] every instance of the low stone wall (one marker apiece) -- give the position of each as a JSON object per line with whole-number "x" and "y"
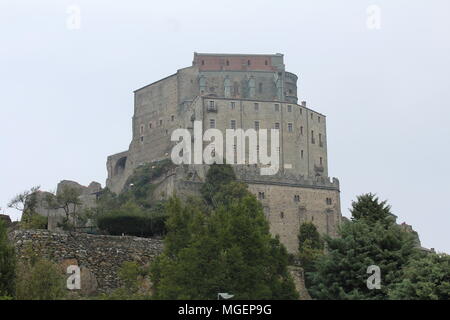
{"x": 99, "y": 257}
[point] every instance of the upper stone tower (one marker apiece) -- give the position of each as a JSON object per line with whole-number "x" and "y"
{"x": 250, "y": 76}
{"x": 246, "y": 91}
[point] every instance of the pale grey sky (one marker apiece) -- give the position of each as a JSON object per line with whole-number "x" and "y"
{"x": 66, "y": 95}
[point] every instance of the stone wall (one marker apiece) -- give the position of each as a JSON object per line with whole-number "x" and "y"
{"x": 99, "y": 257}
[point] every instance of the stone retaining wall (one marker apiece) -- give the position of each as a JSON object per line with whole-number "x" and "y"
{"x": 98, "y": 256}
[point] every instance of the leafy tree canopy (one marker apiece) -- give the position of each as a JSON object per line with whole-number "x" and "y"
{"x": 371, "y": 238}
{"x": 223, "y": 248}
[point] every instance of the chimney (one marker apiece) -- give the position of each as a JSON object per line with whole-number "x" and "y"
{"x": 303, "y": 103}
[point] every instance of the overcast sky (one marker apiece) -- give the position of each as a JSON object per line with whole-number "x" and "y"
{"x": 66, "y": 97}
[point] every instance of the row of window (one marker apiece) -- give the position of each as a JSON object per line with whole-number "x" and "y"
{"x": 227, "y": 62}
{"x": 212, "y": 105}
{"x": 150, "y": 124}
{"x": 290, "y": 128}
{"x": 262, "y": 196}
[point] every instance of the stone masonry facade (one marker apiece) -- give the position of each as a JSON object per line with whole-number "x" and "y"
{"x": 239, "y": 91}
{"x": 99, "y": 257}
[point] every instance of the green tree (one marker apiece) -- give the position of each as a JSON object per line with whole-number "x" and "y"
{"x": 226, "y": 247}
{"x": 7, "y": 264}
{"x": 26, "y": 202}
{"x": 426, "y": 278}
{"x": 308, "y": 232}
{"x": 39, "y": 279}
{"x": 134, "y": 287}
{"x": 370, "y": 209}
{"x": 310, "y": 247}
{"x": 217, "y": 177}
{"x": 371, "y": 238}
{"x": 68, "y": 199}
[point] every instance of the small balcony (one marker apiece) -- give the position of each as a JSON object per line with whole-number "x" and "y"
{"x": 210, "y": 108}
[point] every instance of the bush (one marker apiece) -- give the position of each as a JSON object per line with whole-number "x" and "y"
{"x": 34, "y": 221}
{"x": 7, "y": 263}
{"x": 39, "y": 280}
{"x": 132, "y": 220}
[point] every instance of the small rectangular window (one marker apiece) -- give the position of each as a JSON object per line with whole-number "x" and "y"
{"x": 318, "y": 119}
{"x": 290, "y": 127}
{"x": 150, "y": 125}
{"x": 277, "y": 107}
{"x": 321, "y": 161}
{"x": 212, "y": 123}
{"x": 233, "y": 105}
{"x": 312, "y": 137}
{"x": 312, "y": 116}
{"x": 256, "y": 106}
{"x": 160, "y": 122}
{"x": 301, "y": 154}
{"x": 142, "y": 139}
{"x": 211, "y": 104}
{"x": 301, "y": 111}
{"x": 172, "y": 118}
{"x": 142, "y": 129}
{"x": 277, "y": 125}
{"x": 233, "y": 124}
{"x": 289, "y": 108}
{"x": 301, "y": 130}
{"x": 256, "y": 125}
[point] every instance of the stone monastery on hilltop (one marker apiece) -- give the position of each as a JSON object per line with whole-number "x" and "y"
{"x": 232, "y": 91}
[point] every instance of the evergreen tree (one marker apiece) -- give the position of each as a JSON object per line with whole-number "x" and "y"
{"x": 223, "y": 248}
{"x": 7, "y": 264}
{"x": 310, "y": 247}
{"x": 427, "y": 278}
{"x": 369, "y": 208}
{"x": 217, "y": 177}
{"x": 371, "y": 238}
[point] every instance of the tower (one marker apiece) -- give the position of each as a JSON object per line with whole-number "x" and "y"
{"x": 241, "y": 91}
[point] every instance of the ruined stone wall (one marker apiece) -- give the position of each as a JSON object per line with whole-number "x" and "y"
{"x": 99, "y": 257}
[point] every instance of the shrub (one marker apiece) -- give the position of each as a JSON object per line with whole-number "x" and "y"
{"x": 130, "y": 219}
{"x": 34, "y": 221}
{"x": 7, "y": 263}
{"x": 39, "y": 280}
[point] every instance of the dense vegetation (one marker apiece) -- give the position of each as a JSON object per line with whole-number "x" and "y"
{"x": 373, "y": 238}
{"x": 135, "y": 211}
{"x": 7, "y": 264}
{"x": 222, "y": 244}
